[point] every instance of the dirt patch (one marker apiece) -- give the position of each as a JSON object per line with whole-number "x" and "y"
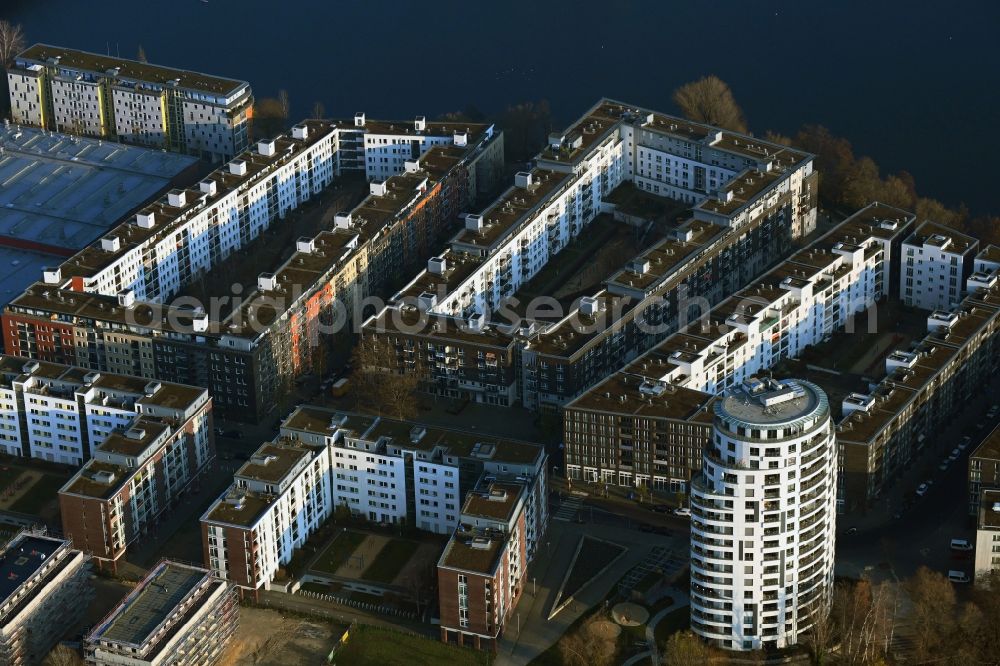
{"x": 422, "y": 562}
{"x": 18, "y": 488}
{"x": 266, "y": 638}
{"x": 362, "y": 557}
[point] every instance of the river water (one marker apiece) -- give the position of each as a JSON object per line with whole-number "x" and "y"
{"x": 915, "y": 85}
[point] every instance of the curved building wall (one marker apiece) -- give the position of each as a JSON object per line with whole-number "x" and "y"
{"x": 763, "y": 517}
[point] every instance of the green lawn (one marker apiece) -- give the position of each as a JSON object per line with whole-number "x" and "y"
{"x": 45, "y": 490}
{"x": 369, "y": 646}
{"x": 594, "y": 555}
{"x": 338, "y": 551}
{"x": 390, "y": 560}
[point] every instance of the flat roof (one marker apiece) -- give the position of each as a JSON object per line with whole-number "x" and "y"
{"x": 496, "y": 502}
{"x": 989, "y": 518}
{"x": 622, "y": 393}
{"x": 281, "y": 457}
{"x": 788, "y": 400}
{"x": 145, "y": 430}
{"x": 989, "y": 448}
{"x": 513, "y": 207}
{"x": 152, "y": 603}
{"x": 934, "y": 234}
{"x": 61, "y": 192}
{"x": 86, "y": 481}
{"x": 21, "y": 559}
{"x": 130, "y": 69}
{"x": 461, "y": 553}
{"x": 459, "y": 443}
{"x": 245, "y": 510}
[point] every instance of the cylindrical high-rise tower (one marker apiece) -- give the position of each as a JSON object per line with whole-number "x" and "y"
{"x": 763, "y": 516}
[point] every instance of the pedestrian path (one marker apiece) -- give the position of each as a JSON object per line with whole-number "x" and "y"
{"x": 568, "y": 508}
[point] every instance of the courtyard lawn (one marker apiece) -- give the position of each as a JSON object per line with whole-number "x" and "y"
{"x": 44, "y": 490}
{"x": 390, "y": 561}
{"x": 337, "y": 552}
{"x": 369, "y": 646}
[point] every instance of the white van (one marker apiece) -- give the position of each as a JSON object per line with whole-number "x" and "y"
{"x": 958, "y": 576}
{"x": 961, "y": 544}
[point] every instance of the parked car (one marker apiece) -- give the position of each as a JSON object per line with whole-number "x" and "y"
{"x": 961, "y": 544}
{"x": 922, "y": 489}
{"x": 956, "y": 451}
{"x": 683, "y": 512}
{"x": 964, "y": 444}
{"x": 956, "y": 576}
{"x": 944, "y": 466}
{"x": 661, "y": 508}
{"x": 980, "y": 425}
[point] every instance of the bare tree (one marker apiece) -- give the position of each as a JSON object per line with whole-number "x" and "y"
{"x": 63, "y": 656}
{"x": 319, "y": 111}
{"x": 587, "y": 646}
{"x": 268, "y": 118}
{"x": 386, "y": 389}
{"x": 286, "y": 107}
{"x": 709, "y": 100}
{"x": 140, "y": 54}
{"x": 11, "y": 42}
{"x": 864, "y": 621}
{"x": 683, "y": 648}
{"x": 933, "y": 615}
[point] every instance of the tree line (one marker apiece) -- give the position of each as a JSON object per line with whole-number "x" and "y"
{"x": 847, "y": 181}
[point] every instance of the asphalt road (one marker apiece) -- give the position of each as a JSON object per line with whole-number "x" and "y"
{"x": 903, "y": 531}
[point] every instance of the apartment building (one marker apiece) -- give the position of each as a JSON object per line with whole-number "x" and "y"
{"x": 280, "y": 496}
{"x": 882, "y": 431}
{"x": 44, "y": 593}
{"x": 453, "y": 323}
{"x": 988, "y": 534}
{"x": 645, "y": 424}
{"x": 64, "y": 413}
{"x": 110, "y": 306}
{"x": 481, "y": 573}
{"x": 135, "y": 476}
{"x": 763, "y": 513}
{"x": 115, "y": 98}
{"x": 178, "y": 614}
{"x": 984, "y": 469}
{"x": 937, "y": 262}
{"x": 398, "y": 472}
{"x": 381, "y": 470}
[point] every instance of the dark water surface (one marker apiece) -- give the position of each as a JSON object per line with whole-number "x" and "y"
{"x": 915, "y": 85}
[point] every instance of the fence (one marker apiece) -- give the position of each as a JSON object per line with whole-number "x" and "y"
{"x": 360, "y": 605}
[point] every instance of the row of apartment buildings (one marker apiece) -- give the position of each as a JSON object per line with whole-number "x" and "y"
{"x": 44, "y": 592}
{"x": 110, "y": 97}
{"x": 177, "y": 614}
{"x": 110, "y": 307}
{"x": 647, "y": 423}
{"x": 453, "y": 323}
{"x": 885, "y": 429}
{"x": 380, "y": 470}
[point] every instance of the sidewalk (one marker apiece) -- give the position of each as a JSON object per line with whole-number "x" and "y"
{"x": 342, "y": 614}
{"x": 529, "y": 632}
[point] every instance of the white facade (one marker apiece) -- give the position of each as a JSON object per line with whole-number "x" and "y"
{"x": 63, "y": 414}
{"x": 291, "y": 507}
{"x": 26, "y": 96}
{"x": 113, "y": 98}
{"x": 779, "y": 320}
{"x": 763, "y": 517}
{"x": 935, "y": 264}
{"x": 988, "y": 534}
